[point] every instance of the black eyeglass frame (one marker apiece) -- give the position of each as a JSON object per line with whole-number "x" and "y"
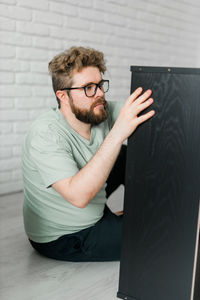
{"x": 98, "y": 85}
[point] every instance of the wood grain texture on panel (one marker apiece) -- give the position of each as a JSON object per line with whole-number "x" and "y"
{"x": 162, "y": 190}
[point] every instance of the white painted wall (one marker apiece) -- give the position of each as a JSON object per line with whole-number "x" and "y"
{"x": 129, "y": 32}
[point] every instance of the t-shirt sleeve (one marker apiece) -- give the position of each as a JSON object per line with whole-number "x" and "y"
{"x": 114, "y": 110}
{"x": 52, "y": 159}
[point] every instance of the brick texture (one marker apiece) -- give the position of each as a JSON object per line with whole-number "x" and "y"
{"x": 140, "y": 32}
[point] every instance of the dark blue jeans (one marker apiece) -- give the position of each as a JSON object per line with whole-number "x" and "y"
{"x": 101, "y": 242}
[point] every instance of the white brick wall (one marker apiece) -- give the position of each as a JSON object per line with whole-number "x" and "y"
{"x": 151, "y": 32}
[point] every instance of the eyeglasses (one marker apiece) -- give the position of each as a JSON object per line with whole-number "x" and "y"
{"x": 91, "y": 88}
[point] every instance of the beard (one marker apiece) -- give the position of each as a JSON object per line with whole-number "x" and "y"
{"x": 88, "y": 115}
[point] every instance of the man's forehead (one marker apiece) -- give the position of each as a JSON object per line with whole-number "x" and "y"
{"x": 87, "y": 75}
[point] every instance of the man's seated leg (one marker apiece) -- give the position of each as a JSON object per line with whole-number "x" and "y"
{"x": 101, "y": 242}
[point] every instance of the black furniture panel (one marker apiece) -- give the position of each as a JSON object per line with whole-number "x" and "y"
{"x": 162, "y": 191}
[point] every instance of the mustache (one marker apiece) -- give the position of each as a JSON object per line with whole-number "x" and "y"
{"x": 99, "y": 101}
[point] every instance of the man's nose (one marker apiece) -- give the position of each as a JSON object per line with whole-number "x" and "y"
{"x": 99, "y": 92}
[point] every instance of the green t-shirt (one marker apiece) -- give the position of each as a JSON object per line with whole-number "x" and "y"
{"x": 52, "y": 151}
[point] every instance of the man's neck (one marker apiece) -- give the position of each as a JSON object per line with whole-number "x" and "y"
{"x": 81, "y": 128}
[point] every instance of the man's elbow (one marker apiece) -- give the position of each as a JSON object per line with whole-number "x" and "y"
{"x": 81, "y": 201}
{"x": 80, "y": 205}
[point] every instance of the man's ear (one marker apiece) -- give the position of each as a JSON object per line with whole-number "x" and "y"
{"x": 62, "y": 96}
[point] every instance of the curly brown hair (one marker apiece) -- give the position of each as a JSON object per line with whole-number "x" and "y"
{"x": 62, "y": 66}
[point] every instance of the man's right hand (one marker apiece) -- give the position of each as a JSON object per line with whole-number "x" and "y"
{"x": 128, "y": 119}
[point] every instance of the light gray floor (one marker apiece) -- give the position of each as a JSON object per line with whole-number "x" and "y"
{"x": 25, "y": 275}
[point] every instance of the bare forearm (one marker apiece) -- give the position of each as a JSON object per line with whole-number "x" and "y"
{"x": 90, "y": 179}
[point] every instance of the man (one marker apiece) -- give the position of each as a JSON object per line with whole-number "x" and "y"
{"x": 68, "y": 155}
